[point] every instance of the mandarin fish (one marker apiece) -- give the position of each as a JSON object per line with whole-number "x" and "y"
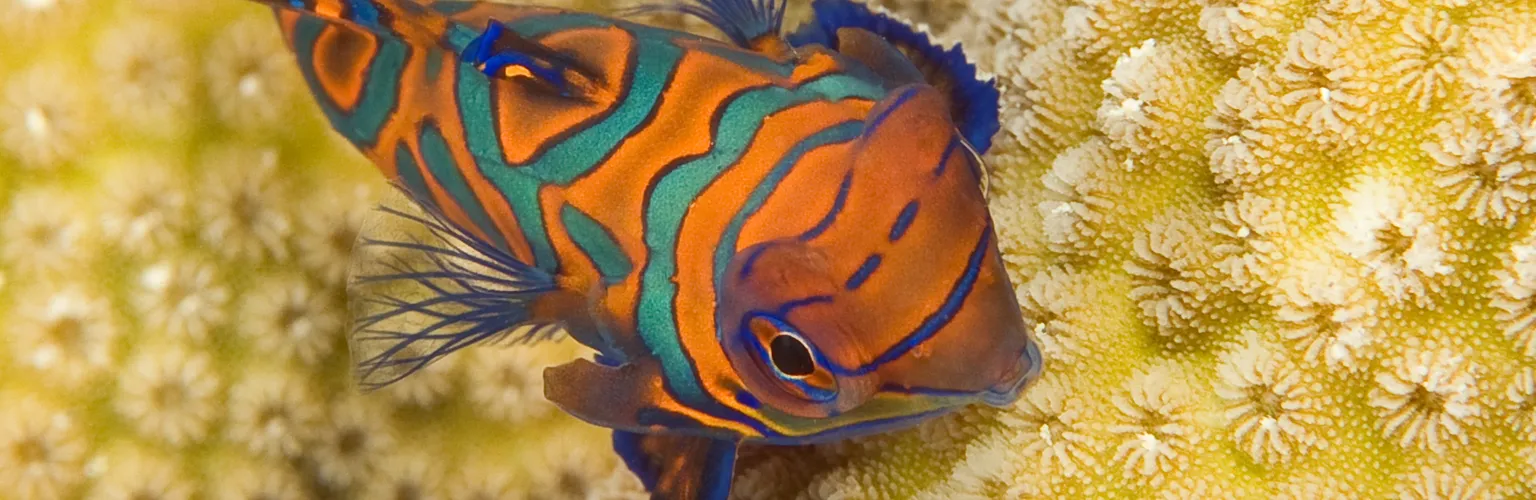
{"x": 767, "y": 238}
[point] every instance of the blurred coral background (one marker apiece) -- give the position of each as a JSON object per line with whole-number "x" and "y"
{"x": 1276, "y": 248}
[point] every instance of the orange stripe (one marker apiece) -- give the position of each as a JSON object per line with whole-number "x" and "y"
{"x": 341, "y": 58}
{"x": 712, "y": 212}
{"x": 613, "y": 193}
{"x": 530, "y": 119}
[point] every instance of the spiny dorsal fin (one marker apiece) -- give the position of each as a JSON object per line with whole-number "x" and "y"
{"x": 750, "y": 24}
{"x": 973, "y": 101}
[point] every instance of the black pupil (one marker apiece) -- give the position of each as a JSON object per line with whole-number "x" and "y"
{"x": 791, "y": 356}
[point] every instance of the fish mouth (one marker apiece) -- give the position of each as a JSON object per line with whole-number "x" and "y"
{"x": 1025, "y": 372}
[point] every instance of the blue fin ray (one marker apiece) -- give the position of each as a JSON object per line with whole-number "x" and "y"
{"x": 678, "y": 467}
{"x": 422, "y": 288}
{"x": 973, "y": 101}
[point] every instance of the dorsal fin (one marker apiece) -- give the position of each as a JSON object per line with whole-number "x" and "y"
{"x": 498, "y": 52}
{"x": 750, "y": 24}
{"x": 402, "y": 19}
{"x": 973, "y": 101}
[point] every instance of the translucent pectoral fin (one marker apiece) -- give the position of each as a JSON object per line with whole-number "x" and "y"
{"x": 421, "y": 288}
{"x": 674, "y": 467}
{"x": 616, "y": 397}
{"x": 882, "y": 57}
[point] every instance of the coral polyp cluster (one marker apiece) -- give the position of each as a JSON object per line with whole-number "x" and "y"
{"x": 177, "y": 227}
{"x": 1274, "y": 249}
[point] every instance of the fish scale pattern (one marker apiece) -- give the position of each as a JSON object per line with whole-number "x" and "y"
{"x": 1276, "y": 248}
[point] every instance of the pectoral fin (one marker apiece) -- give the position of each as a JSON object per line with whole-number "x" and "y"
{"x": 675, "y": 467}
{"x": 861, "y": 45}
{"x": 616, "y": 397}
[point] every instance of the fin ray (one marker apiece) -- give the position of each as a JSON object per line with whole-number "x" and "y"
{"x": 743, "y": 21}
{"x": 420, "y": 288}
{"x": 678, "y": 467}
{"x": 973, "y": 101}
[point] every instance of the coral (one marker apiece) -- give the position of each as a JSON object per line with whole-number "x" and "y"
{"x": 1273, "y": 249}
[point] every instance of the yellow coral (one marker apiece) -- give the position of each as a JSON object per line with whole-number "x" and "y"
{"x": 1279, "y": 249}
{"x": 1274, "y": 248}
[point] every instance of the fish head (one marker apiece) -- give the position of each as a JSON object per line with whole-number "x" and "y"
{"x": 890, "y": 304}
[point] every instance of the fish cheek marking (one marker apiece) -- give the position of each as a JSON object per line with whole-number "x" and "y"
{"x": 712, "y": 215}
{"x": 341, "y": 59}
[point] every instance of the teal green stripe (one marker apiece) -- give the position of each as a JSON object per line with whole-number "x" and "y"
{"x": 675, "y": 192}
{"x": 726, "y": 248}
{"x": 380, "y": 91}
{"x": 598, "y": 243}
{"x": 751, "y": 61}
{"x": 410, "y": 175}
{"x": 439, "y": 160}
{"x": 564, "y": 161}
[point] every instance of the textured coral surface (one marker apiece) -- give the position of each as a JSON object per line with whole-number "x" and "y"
{"x": 1276, "y": 249}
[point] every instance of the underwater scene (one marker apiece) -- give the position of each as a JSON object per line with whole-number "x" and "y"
{"x": 767, "y": 249}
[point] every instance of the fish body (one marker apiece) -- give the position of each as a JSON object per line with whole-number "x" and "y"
{"x": 777, "y": 239}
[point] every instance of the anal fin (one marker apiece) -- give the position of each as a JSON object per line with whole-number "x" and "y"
{"x": 677, "y": 467}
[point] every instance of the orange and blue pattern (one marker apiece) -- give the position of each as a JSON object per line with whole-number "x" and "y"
{"x": 777, "y": 239}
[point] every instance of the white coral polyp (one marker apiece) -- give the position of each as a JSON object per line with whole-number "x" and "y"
{"x": 1252, "y": 226}
{"x": 1502, "y": 75}
{"x": 1171, "y": 272}
{"x": 1081, "y": 192}
{"x": 1235, "y": 28}
{"x": 1384, "y": 228}
{"x": 1274, "y": 412}
{"x": 1521, "y": 394}
{"x": 1050, "y": 431}
{"x": 1154, "y": 429}
{"x": 1427, "y": 399}
{"x": 287, "y": 317}
{"x": 1055, "y": 300}
{"x": 67, "y": 335}
{"x": 1131, "y": 89}
{"x": 41, "y": 450}
{"x": 1516, "y": 298}
{"x": 1447, "y": 484}
{"x": 1325, "y": 311}
{"x": 272, "y": 413}
{"x": 181, "y": 298}
{"x": 1326, "y": 92}
{"x": 1484, "y": 169}
{"x": 170, "y": 395}
{"x": 1428, "y": 56}
{"x": 244, "y": 214}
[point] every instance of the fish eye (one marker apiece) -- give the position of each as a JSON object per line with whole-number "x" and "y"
{"x": 787, "y": 357}
{"x": 791, "y": 356}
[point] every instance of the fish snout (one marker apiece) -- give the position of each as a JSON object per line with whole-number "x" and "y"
{"x": 1019, "y": 375}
